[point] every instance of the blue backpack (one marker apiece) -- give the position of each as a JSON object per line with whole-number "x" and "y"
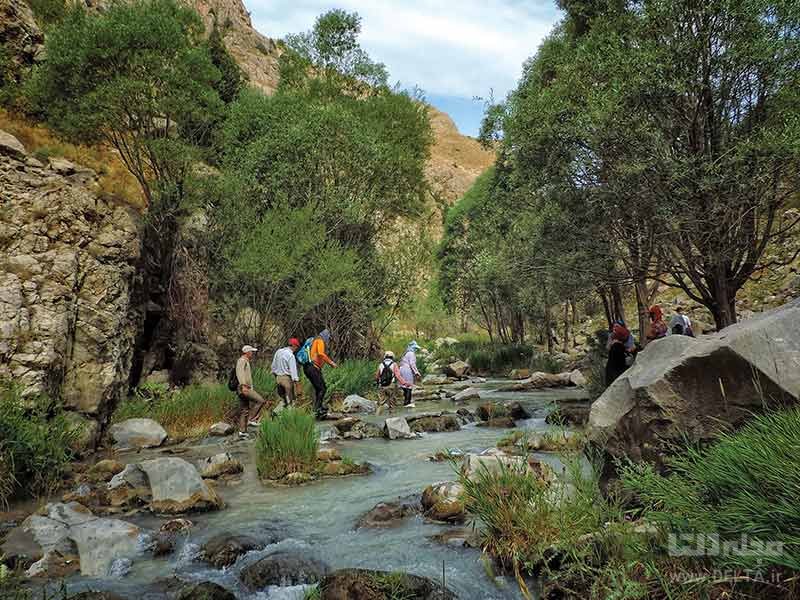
{"x": 304, "y": 354}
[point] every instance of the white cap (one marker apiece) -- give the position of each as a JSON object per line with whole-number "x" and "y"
{"x": 249, "y": 348}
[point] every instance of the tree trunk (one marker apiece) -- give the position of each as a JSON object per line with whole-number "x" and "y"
{"x": 643, "y": 310}
{"x": 565, "y": 345}
{"x": 724, "y": 305}
{"x": 606, "y": 307}
{"x": 617, "y": 306}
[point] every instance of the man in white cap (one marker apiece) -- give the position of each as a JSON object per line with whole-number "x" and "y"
{"x": 250, "y": 401}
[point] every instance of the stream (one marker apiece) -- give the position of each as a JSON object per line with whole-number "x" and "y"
{"x": 320, "y": 518}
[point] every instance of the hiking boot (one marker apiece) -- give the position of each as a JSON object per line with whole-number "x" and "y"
{"x": 254, "y": 424}
{"x": 243, "y": 435}
{"x": 410, "y": 405}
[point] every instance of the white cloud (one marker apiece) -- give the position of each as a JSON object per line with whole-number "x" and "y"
{"x": 451, "y": 48}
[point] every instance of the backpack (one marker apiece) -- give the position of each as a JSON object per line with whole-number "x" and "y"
{"x": 387, "y": 375}
{"x": 304, "y": 354}
{"x": 677, "y": 329}
{"x": 233, "y": 380}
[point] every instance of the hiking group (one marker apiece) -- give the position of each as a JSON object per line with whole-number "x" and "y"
{"x": 622, "y": 347}
{"x": 312, "y": 357}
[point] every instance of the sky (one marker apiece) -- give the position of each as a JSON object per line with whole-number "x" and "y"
{"x": 455, "y": 51}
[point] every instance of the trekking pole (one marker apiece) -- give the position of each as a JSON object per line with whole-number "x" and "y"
{"x": 443, "y": 582}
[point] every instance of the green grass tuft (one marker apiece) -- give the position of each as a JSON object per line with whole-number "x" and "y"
{"x": 286, "y": 444}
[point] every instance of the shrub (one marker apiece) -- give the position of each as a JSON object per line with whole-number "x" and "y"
{"x": 487, "y": 357}
{"x": 35, "y": 444}
{"x": 184, "y": 413}
{"x": 355, "y": 376}
{"x": 747, "y": 483}
{"x": 286, "y": 444}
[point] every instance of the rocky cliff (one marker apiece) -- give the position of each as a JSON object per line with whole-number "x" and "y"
{"x": 67, "y": 275}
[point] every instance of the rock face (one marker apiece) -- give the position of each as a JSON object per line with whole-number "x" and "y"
{"x": 67, "y": 273}
{"x": 688, "y": 389}
{"x": 177, "y": 487}
{"x": 362, "y": 584}
{"x": 133, "y": 434}
{"x": 283, "y": 568}
{"x": 20, "y": 35}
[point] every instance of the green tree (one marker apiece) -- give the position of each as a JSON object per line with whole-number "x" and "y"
{"x": 131, "y": 76}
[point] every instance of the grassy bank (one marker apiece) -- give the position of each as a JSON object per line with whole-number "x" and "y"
{"x": 289, "y": 443}
{"x": 736, "y": 501}
{"x": 35, "y": 445}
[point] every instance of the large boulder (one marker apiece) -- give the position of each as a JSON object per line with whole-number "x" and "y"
{"x": 283, "y": 568}
{"x": 363, "y": 584}
{"x": 129, "y": 487}
{"x": 686, "y": 390}
{"x": 102, "y": 542}
{"x": 396, "y": 428}
{"x": 176, "y": 487}
{"x": 435, "y": 380}
{"x": 133, "y": 434}
{"x": 356, "y": 404}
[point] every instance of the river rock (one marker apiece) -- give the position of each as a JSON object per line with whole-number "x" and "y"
{"x": 363, "y": 584}
{"x": 396, "y": 428}
{"x": 37, "y": 535}
{"x": 686, "y": 390}
{"x": 221, "y": 429}
{"x": 356, "y": 404}
{"x": 519, "y": 374}
{"x": 467, "y": 395}
{"x": 283, "y": 568}
{"x": 218, "y": 465}
{"x": 133, "y": 434}
{"x": 208, "y": 590}
{"x": 457, "y": 537}
{"x": 224, "y": 549}
{"x": 457, "y": 370}
{"x": 491, "y": 410}
{"x": 129, "y": 487}
{"x": 443, "y": 502}
{"x": 104, "y": 470}
{"x": 329, "y": 455}
{"x": 571, "y": 412}
{"x": 101, "y": 542}
{"x": 475, "y": 464}
{"x": 498, "y": 423}
{"x": 176, "y": 526}
{"x": 516, "y": 411}
{"x": 435, "y": 380}
{"x": 435, "y": 423}
{"x": 388, "y": 514}
{"x": 541, "y": 380}
{"x": 177, "y": 487}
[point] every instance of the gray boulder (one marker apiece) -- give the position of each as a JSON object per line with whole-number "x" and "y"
{"x": 457, "y": 369}
{"x": 684, "y": 389}
{"x": 101, "y": 542}
{"x": 467, "y": 395}
{"x": 133, "y": 434}
{"x": 177, "y": 487}
{"x": 435, "y": 380}
{"x": 356, "y": 404}
{"x": 130, "y": 486}
{"x": 283, "y": 569}
{"x": 224, "y": 549}
{"x": 396, "y": 428}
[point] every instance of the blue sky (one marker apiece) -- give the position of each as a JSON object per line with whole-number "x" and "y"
{"x": 453, "y": 50}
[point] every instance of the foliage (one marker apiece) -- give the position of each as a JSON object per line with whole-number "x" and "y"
{"x": 184, "y": 413}
{"x": 488, "y": 357}
{"x": 36, "y": 441}
{"x": 128, "y": 76}
{"x": 746, "y": 483}
{"x": 351, "y": 377}
{"x": 287, "y": 443}
{"x": 48, "y": 12}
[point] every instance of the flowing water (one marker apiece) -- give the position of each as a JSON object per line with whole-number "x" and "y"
{"x": 320, "y": 518}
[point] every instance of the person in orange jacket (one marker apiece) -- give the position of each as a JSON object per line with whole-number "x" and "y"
{"x": 313, "y": 370}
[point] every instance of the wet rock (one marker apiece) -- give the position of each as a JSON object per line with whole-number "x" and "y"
{"x": 466, "y": 415}
{"x": 54, "y": 565}
{"x": 396, "y": 428}
{"x": 218, "y": 465}
{"x": 283, "y": 569}
{"x": 224, "y": 549}
{"x": 443, "y": 502}
{"x": 476, "y": 464}
{"x": 221, "y": 429}
{"x": 208, "y": 590}
{"x": 446, "y": 454}
{"x": 446, "y": 422}
{"x": 104, "y": 470}
{"x": 101, "y": 542}
{"x": 457, "y": 369}
{"x": 570, "y": 412}
{"x": 491, "y": 410}
{"x": 519, "y": 374}
{"x": 363, "y": 584}
{"x": 129, "y": 487}
{"x": 133, "y": 434}
{"x": 541, "y": 380}
{"x": 33, "y": 538}
{"x": 435, "y": 380}
{"x": 498, "y": 423}
{"x": 329, "y": 434}
{"x": 177, "y": 487}
{"x": 356, "y": 404}
{"x": 467, "y": 395}
{"x": 341, "y": 468}
{"x": 459, "y": 537}
{"x": 176, "y": 525}
{"x": 389, "y": 514}
{"x": 516, "y": 411}
{"x": 162, "y": 544}
{"x": 298, "y": 478}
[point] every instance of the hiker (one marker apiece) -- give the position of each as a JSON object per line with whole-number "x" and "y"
{"x": 250, "y": 401}
{"x": 387, "y": 375}
{"x": 620, "y": 332}
{"x": 658, "y": 328}
{"x": 616, "y": 363}
{"x": 313, "y": 357}
{"x": 680, "y": 324}
{"x": 409, "y": 372}
{"x": 284, "y": 368}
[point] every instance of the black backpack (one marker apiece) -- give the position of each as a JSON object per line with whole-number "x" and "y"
{"x": 677, "y": 329}
{"x": 387, "y": 374}
{"x": 233, "y": 381}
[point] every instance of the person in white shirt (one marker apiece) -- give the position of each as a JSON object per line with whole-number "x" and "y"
{"x": 250, "y": 401}
{"x": 284, "y": 368}
{"x": 680, "y": 324}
